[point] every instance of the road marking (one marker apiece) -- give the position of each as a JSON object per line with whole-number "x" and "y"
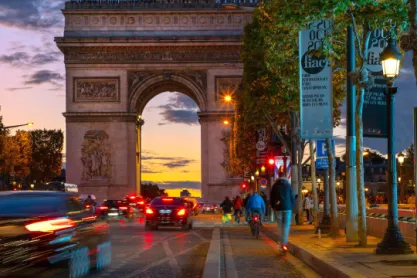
{"x": 200, "y": 236}
{"x": 212, "y": 264}
{"x": 298, "y": 264}
{"x": 231, "y": 271}
{"x": 164, "y": 260}
{"x": 171, "y": 259}
{"x": 116, "y": 267}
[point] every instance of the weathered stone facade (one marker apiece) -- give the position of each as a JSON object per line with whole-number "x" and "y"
{"x": 118, "y": 59}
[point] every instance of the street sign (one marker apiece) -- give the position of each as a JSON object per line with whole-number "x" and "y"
{"x": 322, "y": 163}
{"x": 321, "y": 150}
{"x": 263, "y": 182}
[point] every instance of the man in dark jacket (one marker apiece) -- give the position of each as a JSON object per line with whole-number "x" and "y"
{"x": 282, "y": 200}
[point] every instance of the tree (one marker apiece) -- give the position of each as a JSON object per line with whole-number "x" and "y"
{"x": 271, "y": 77}
{"x": 16, "y": 154}
{"x": 151, "y": 191}
{"x": 47, "y": 148}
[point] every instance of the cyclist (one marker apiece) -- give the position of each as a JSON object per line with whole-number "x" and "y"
{"x": 237, "y": 206}
{"x": 255, "y": 204}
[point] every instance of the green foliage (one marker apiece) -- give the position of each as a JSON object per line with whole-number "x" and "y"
{"x": 151, "y": 191}
{"x": 47, "y": 148}
{"x": 271, "y": 62}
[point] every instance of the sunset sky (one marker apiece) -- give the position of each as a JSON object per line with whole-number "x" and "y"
{"x": 32, "y": 90}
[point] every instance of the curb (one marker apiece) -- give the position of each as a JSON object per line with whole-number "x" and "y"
{"x": 319, "y": 264}
{"x": 212, "y": 264}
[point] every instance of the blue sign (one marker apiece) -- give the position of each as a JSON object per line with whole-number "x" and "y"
{"x": 321, "y": 150}
{"x": 322, "y": 163}
{"x": 263, "y": 182}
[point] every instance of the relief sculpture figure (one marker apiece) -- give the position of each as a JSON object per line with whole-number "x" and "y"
{"x": 96, "y": 155}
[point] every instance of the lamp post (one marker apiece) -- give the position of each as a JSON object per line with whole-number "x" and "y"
{"x": 14, "y": 126}
{"x": 393, "y": 241}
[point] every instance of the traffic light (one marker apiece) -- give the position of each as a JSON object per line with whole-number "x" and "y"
{"x": 271, "y": 161}
{"x": 244, "y": 186}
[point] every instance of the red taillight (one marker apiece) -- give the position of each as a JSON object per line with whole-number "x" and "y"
{"x": 256, "y": 218}
{"x": 50, "y": 225}
{"x": 87, "y": 206}
{"x": 132, "y": 197}
{"x": 103, "y": 208}
{"x": 149, "y": 211}
{"x": 141, "y": 202}
{"x": 167, "y": 199}
{"x": 285, "y": 247}
{"x": 123, "y": 208}
{"x": 181, "y": 212}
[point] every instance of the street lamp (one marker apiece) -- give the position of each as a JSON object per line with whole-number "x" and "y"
{"x": 401, "y": 158}
{"x": 263, "y": 169}
{"x": 228, "y": 98}
{"x": 14, "y": 126}
{"x": 393, "y": 241}
{"x": 226, "y": 122}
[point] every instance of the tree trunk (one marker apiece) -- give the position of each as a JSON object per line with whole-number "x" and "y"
{"x": 360, "y": 171}
{"x": 300, "y": 182}
{"x": 314, "y": 186}
{"x": 334, "y": 230}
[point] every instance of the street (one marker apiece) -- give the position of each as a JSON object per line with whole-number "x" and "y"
{"x": 171, "y": 252}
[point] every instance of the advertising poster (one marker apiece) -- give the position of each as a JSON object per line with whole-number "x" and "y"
{"x": 316, "y": 99}
{"x": 375, "y": 102}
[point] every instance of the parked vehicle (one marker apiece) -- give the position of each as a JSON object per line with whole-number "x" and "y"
{"x": 169, "y": 211}
{"x": 61, "y": 186}
{"x": 50, "y": 232}
{"x": 210, "y": 208}
{"x": 115, "y": 210}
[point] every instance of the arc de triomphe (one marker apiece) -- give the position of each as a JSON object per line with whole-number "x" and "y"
{"x": 118, "y": 56}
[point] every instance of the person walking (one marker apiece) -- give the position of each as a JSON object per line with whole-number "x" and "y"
{"x": 308, "y": 206}
{"x": 282, "y": 201}
{"x": 227, "y": 206}
{"x": 237, "y": 207}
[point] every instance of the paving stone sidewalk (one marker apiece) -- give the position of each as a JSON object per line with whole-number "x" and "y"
{"x": 334, "y": 257}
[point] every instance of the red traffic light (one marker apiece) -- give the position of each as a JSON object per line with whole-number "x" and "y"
{"x": 244, "y": 185}
{"x": 271, "y": 161}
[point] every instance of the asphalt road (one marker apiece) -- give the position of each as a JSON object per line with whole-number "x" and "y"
{"x": 167, "y": 252}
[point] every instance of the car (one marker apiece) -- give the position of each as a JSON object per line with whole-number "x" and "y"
{"x": 210, "y": 208}
{"x": 193, "y": 202}
{"x": 169, "y": 211}
{"x": 47, "y": 231}
{"x": 115, "y": 210}
{"x": 136, "y": 202}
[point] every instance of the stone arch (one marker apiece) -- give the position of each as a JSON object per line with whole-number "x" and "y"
{"x": 155, "y": 85}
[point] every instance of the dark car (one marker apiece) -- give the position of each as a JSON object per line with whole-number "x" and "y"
{"x": 50, "y": 232}
{"x": 136, "y": 202}
{"x": 115, "y": 209}
{"x": 168, "y": 211}
{"x": 210, "y": 208}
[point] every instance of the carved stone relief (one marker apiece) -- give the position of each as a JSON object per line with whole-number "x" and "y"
{"x": 227, "y": 85}
{"x": 96, "y": 156}
{"x": 137, "y": 77}
{"x": 96, "y": 89}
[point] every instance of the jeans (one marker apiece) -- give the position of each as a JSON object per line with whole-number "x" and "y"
{"x": 284, "y": 221}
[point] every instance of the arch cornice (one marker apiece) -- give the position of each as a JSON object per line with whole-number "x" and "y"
{"x": 158, "y": 83}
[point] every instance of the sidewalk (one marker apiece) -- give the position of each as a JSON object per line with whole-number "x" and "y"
{"x": 338, "y": 258}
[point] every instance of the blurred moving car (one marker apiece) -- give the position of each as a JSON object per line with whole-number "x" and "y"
{"x": 46, "y": 231}
{"x": 210, "y": 208}
{"x": 61, "y": 186}
{"x": 115, "y": 210}
{"x": 169, "y": 211}
{"x": 194, "y": 204}
{"x": 137, "y": 203}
